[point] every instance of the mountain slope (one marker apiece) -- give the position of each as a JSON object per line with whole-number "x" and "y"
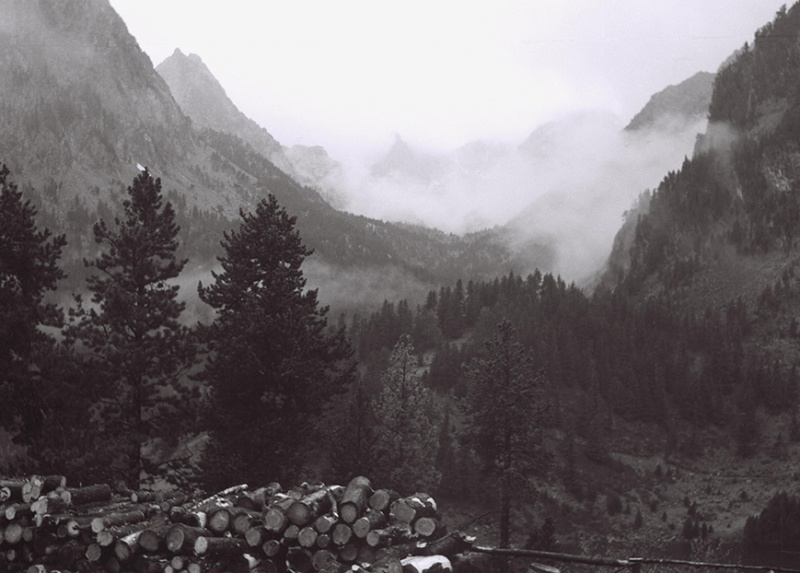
{"x": 677, "y": 105}
{"x": 202, "y": 98}
{"x": 724, "y": 226}
{"x": 81, "y": 107}
{"x": 63, "y": 116}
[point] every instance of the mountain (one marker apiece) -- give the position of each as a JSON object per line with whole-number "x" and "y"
{"x": 678, "y": 105}
{"x": 82, "y": 109}
{"x": 723, "y": 228}
{"x": 403, "y": 162}
{"x": 556, "y": 198}
{"x": 202, "y": 98}
{"x": 80, "y": 106}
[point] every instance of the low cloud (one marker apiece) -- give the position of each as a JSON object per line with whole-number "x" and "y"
{"x": 567, "y": 185}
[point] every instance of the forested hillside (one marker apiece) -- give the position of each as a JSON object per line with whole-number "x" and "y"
{"x": 657, "y": 411}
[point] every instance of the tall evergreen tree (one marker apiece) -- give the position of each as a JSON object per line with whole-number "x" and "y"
{"x": 406, "y": 440}
{"x": 28, "y": 271}
{"x": 273, "y": 366}
{"x": 134, "y": 345}
{"x": 504, "y": 406}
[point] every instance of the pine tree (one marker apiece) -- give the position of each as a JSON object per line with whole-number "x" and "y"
{"x": 28, "y": 271}
{"x": 136, "y": 348}
{"x": 273, "y": 366}
{"x": 504, "y": 407}
{"x": 406, "y": 440}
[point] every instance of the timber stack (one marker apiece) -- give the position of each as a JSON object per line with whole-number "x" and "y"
{"x": 46, "y": 526}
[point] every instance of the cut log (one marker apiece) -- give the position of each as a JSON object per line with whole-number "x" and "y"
{"x": 348, "y": 552}
{"x": 291, "y": 533}
{"x": 388, "y": 535}
{"x": 372, "y": 519}
{"x": 68, "y": 553}
{"x": 15, "y": 510}
{"x": 126, "y": 548}
{"x": 273, "y": 548}
{"x": 325, "y": 562}
{"x": 181, "y": 538}
{"x": 219, "y": 546}
{"x": 219, "y": 520}
{"x": 426, "y": 564}
{"x": 51, "y": 482}
{"x": 93, "y": 552}
{"x": 217, "y": 498}
{"x": 256, "y": 536}
{"x": 15, "y": 490}
{"x": 178, "y": 562}
{"x": 194, "y": 567}
{"x": 258, "y": 499}
{"x": 299, "y": 560}
{"x": 307, "y": 537}
{"x": 428, "y": 527}
{"x": 88, "y": 494}
{"x": 242, "y": 520}
{"x": 98, "y": 524}
{"x": 355, "y": 498}
{"x": 13, "y": 533}
{"x": 381, "y": 499}
{"x": 324, "y": 523}
{"x": 341, "y": 534}
{"x": 275, "y": 518}
{"x": 169, "y": 499}
{"x": 304, "y": 511}
{"x": 151, "y": 539}
{"x": 323, "y": 541}
{"x": 49, "y": 505}
{"x": 408, "y": 509}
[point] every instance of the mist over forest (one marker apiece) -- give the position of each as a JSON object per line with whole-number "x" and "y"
{"x": 581, "y": 342}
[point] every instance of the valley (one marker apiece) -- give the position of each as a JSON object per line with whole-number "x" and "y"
{"x": 587, "y": 340}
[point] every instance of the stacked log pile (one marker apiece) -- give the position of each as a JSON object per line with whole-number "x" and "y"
{"x": 46, "y": 526}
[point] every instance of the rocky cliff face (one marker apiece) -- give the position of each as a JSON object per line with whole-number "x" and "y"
{"x": 65, "y": 116}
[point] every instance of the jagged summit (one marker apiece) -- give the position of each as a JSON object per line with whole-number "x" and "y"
{"x": 204, "y": 100}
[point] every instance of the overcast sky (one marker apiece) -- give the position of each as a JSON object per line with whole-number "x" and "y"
{"x": 440, "y": 72}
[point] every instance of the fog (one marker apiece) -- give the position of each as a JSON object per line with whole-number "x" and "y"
{"x": 568, "y": 184}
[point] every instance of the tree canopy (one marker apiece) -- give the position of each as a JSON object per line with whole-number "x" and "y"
{"x": 273, "y": 364}
{"x": 136, "y": 348}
